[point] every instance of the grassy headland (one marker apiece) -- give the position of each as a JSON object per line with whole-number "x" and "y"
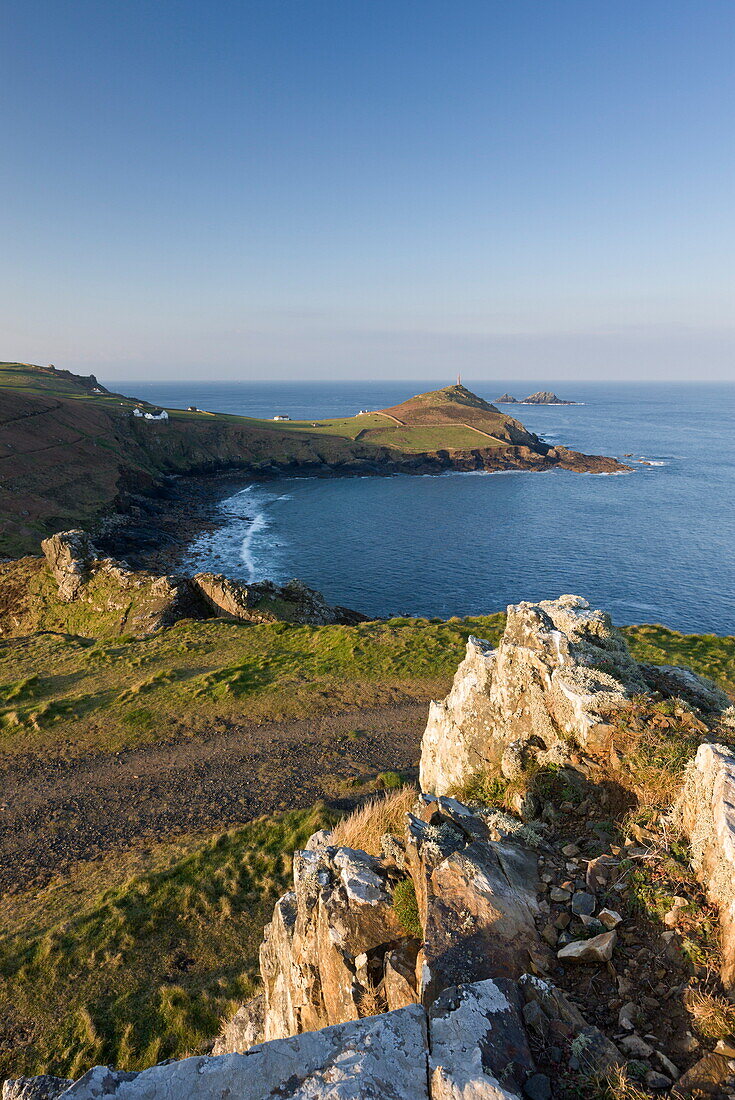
{"x": 71, "y": 450}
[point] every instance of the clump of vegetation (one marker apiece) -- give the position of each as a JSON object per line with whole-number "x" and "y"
{"x": 664, "y": 875}
{"x": 619, "y": 1084}
{"x": 144, "y": 969}
{"x": 372, "y": 1002}
{"x": 384, "y": 813}
{"x": 652, "y": 745}
{"x": 390, "y": 781}
{"x": 406, "y": 908}
{"x": 713, "y": 1015}
{"x": 548, "y": 782}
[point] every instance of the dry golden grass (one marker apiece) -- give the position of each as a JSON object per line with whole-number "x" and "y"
{"x": 372, "y": 1002}
{"x": 713, "y": 1015}
{"x": 617, "y": 1085}
{"x": 651, "y": 747}
{"x": 383, "y": 814}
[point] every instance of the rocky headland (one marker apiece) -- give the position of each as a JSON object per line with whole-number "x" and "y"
{"x": 77, "y": 453}
{"x": 539, "y": 920}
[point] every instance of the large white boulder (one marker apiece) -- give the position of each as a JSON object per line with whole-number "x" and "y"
{"x": 560, "y": 672}
{"x": 706, "y": 810}
{"x": 378, "y": 1058}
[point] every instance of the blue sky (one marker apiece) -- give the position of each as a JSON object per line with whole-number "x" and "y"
{"x": 369, "y": 188}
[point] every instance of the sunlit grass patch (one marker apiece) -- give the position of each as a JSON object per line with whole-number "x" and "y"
{"x": 145, "y": 968}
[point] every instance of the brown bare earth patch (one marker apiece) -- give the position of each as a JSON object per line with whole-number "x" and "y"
{"x": 54, "y": 812}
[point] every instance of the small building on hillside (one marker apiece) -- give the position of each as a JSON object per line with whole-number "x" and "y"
{"x": 281, "y": 416}
{"x": 157, "y": 414}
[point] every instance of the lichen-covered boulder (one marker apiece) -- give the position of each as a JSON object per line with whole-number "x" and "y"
{"x": 706, "y": 809}
{"x": 477, "y": 901}
{"x": 71, "y": 557}
{"x": 479, "y": 1047}
{"x": 323, "y": 952}
{"x": 245, "y": 1030}
{"x": 560, "y": 671}
{"x": 35, "y": 1088}
{"x": 266, "y": 602}
{"x": 374, "y": 1059}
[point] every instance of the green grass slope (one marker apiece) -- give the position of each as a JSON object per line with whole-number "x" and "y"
{"x": 138, "y": 958}
{"x": 65, "y": 693}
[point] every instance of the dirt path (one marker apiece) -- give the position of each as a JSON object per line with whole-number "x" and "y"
{"x": 54, "y": 812}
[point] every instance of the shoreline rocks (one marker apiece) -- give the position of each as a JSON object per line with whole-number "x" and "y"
{"x": 111, "y": 595}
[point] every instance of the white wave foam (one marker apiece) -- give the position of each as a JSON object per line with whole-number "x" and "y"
{"x": 257, "y": 524}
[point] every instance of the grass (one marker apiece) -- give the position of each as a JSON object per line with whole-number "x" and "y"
{"x": 406, "y": 908}
{"x": 108, "y": 694}
{"x": 386, "y": 813}
{"x": 68, "y": 693}
{"x": 713, "y": 1015}
{"x": 430, "y": 437}
{"x": 138, "y": 959}
{"x": 653, "y": 743}
{"x": 708, "y": 654}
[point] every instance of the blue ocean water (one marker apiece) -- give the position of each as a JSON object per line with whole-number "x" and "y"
{"x": 656, "y": 545}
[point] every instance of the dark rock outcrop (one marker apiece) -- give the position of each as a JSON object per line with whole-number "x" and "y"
{"x": 105, "y": 596}
{"x": 545, "y": 397}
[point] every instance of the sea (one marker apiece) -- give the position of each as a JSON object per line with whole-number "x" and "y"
{"x": 656, "y": 545}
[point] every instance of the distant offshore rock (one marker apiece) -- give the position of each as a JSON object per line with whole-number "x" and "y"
{"x": 543, "y": 397}
{"x": 546, "y": 397}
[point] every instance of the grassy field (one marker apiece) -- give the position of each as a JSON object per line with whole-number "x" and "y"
{"x": 67, "y": 694}
{"x": 60, "y": 691}
{"x": 422, "y": 438}
{"x": 139, "y": 957}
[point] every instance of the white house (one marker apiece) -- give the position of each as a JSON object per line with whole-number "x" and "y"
{"x": 160, "y": 415}
{"x": 281, "y": 416}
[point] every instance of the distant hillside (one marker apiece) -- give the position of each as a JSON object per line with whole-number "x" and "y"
{"x": 70, "y": 449}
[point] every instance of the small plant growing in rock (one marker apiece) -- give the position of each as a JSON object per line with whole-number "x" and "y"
{"x": 406, "y": 908}
{"x": 372, "y": 1002}
{"x": 713, "y": 1015}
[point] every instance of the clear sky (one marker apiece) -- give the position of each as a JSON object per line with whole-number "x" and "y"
{"x": 369, "y": 188}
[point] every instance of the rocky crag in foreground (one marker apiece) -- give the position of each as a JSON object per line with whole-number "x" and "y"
{"x": 73, "y": 587}
{"x": 524, "y": 970}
